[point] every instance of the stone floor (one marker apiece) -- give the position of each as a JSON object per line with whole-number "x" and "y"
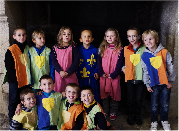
{"x": 120, "y": 123}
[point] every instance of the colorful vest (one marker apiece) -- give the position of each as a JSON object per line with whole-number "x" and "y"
{"x": 28, "y": 119}
{"x": 39, "y": 65}
{"x": 67, "y": 118}
{"x": 133, "y": 69}
{"x": 156, "y": 67}
{"x": 48, "y": 109}
{"x": 110, "y": 86}
{"x": 64, "y": 57}
{"x": 22, "y": 65}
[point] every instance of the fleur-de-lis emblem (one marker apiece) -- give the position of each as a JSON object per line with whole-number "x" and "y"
{"x": 91, "y": 60}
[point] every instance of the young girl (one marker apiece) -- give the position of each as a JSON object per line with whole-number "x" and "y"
{"x": 110, "y": 61}
{"x": 65, "y": 59}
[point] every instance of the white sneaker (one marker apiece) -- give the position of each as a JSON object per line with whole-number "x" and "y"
{"x": 154, "y": 126}
{"x": 166, "y": 125}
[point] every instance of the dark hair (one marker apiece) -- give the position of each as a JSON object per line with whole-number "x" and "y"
{"x": 18, "y": 28}
{"x": 24, "y": 92}
{"x": 87, "y": 88}
{"x": 45, "y": 77}
{"x": 134, "y": 28}
{"x": 86, "y": 29}
{"x": 74, "y": 85}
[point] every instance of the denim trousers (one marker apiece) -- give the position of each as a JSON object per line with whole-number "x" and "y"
{"x": 134, "y": 98}
{"x": 14, "y": 98}
{"x": 160, "y": 96}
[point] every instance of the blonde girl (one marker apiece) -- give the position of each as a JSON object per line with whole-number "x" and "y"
{"x": 110, "y": 61}
{"x": 65, "y": 59}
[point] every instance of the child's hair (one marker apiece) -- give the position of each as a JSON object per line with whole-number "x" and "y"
{"x": 37, "y": 33}
{"x": 74, "y": 85}
{"x": 87, "y": 29}
{"x": 134, "y": 28}
{"x": 24, "y": 92}
{"x": 18, "y": 28}
{"x": 60, "y": 40}
{"x": 45, "y": 77}
{"x": 104, "y": 43}
{"x": 87, "y": 88}
{"x": 151, "y": 32}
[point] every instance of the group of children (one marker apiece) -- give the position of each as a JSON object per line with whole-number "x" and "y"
{"x": 67, "y": 69}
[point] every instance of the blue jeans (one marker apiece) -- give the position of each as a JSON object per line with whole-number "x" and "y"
{"x": 160, "y": 96}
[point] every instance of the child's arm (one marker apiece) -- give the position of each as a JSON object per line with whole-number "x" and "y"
{"x": 170, "y": 70}
{"x": 99, "y": 66}
{"x": 18, "y": 109}
{"x": 52, "y": 69}
{"x": 76, "y": 61}
{"x": 15, "y": 125}
{"x": 146, "y": 77}
{"x": 55, "y": 61}
{"x": 118, "y": 65}
{"x": 96, "y": 76}
{"x": 79, "y": 122}
{"x": 101, "y": 121}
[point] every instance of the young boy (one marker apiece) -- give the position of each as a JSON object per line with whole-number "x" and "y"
{"x": 17, "y": 66}
{"x": 48, "y": 104}
{"x": 40, "y": 59}
{"x": 94, "y": 115}
{"x": 27, "y": 119}
{"x": 133, "y": 76}
{"x": 87, "y": 71}
{"x": 158, "y": 76}
{"x": 71, "y": 111}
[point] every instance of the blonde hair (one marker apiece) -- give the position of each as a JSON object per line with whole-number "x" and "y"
{"x": 18, "y": 28}
{"x": 37, "y": 33}
{"x": 60, "y": 40}
{"x": 151, "y": 32}
{"x": 74, "y": 86}
{"x": 103, "y": 46}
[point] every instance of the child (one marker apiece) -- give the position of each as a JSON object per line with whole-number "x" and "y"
{"x": 27, "y": 119}
{"x": 18, "y": 68}
{"x": 110, "y": 61}
{"x": 48, "y": 104}
{"x": 133, "y": 76}
{"x": 40, "y": 59}
{"x": 87, "y": 71}
{"x": 71, "y": 111}
{"x": 94, "y": 115}
{"x": 65, "y": 59}
{"x": 158, "y": 76}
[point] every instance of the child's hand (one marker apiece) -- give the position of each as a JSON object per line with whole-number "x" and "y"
{"x": 39, "y": 93}
{"x": 63, "y": 94}
{"x": 104, "y": 75}
{"x": 66, "y": 74}
{"x": 96, "y": 76}
{"x": 18, "y": 109}
{"x": 150, "y": 89}
{"x": 109, "y": 76}
{"x": 123, "y": 69}
{"x": 169, "y": 86}
{"x": 63, "y": 74}
{"x": 31, "y": 85}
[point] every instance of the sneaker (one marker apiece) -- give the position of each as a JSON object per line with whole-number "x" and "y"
{"x": 105, "y": 114}
{"x": 130, "y": 119}
{"x": 166, "y": 125}
{"x": 154, "y": 126}
{"x": 113, "y": 116}
{"x": 138, "y": 120}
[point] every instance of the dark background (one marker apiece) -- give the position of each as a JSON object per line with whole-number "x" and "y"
{"x": 50, "y": 16}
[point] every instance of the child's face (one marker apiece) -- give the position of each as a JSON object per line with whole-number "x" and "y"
{"x": 86, "y": 37}
{"x": 29, "y": 100}
{"x": 47, "y": 85}
{"x": 39, "y": 41}
{"x": 111, "y": 37}
{"x": 71, "y": 94}
{"x": 66, "y": 36}
{"x": 87, "y": 97}
{"x": 20, "y": 36}
{"x": 150, "y": 42}
{"x": 133, "y": 37}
